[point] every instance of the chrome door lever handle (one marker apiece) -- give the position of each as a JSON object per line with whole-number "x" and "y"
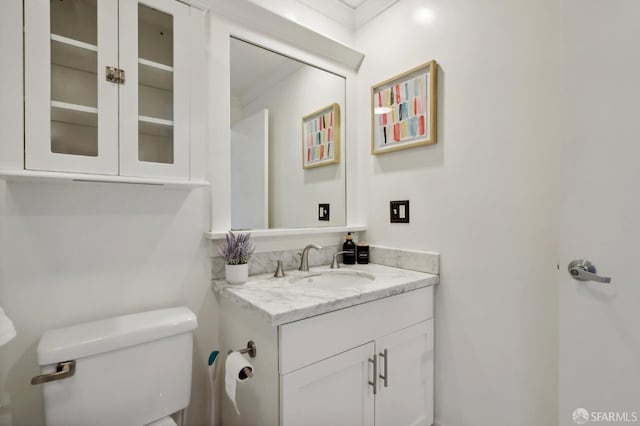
{"x": 583, "y": 270}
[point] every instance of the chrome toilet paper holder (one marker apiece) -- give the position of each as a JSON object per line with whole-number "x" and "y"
{"x": 250, "y": 349}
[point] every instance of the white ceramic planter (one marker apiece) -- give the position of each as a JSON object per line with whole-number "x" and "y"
{"x": 237, "y": 274}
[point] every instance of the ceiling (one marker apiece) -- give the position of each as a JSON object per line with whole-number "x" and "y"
{"x": 353, "y": 4}
{"x": 352, "y": 14}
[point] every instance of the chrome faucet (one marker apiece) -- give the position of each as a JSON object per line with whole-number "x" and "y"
{"x": 304, "y": 259}
{"x": 334, "y": 263}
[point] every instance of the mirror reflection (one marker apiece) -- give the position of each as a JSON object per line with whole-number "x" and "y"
{"x": 287, "y": 142}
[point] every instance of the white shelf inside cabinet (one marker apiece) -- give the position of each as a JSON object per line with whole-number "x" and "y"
{"x": 283, "y": 232}
{"x": 156, "y": 75}
{"x": 155, "y": 126}
{"x": 75, "y": 43}
{"x": 74, "y": 54}
{"x": 74, "y": 114}
{"x": 156, "y": 121}
{"x": 57, "y": 177}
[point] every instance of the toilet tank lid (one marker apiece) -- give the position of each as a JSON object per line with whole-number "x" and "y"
{"x": 82, "y": 340}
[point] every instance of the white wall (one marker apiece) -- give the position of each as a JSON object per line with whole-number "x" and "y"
{"x": 483, "y": 196}
{"x": 11, "y": 105}
{"x": 294, "y": 192}
{"x": 77, "y": 252}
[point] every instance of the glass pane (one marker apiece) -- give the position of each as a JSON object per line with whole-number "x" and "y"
{"x": 74, "y": 80}
{"x": 75, "y": 19}
{"x": 155, "y": 85}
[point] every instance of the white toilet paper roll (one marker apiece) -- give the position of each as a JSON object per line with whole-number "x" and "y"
{"x": 234, "y": 366}
{"x": 7, "y": 330}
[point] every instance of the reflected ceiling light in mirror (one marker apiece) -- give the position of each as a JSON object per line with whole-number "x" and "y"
{"x": 424, "y": 15}
{"x": 381, "y": 110}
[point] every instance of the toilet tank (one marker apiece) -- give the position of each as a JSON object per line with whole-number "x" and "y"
{"x": 130, "y": 370}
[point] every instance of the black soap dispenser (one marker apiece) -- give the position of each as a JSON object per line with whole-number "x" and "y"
{"x": 349, "y": 248}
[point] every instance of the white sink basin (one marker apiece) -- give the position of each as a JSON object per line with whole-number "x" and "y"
{"x": 334, "y": 278}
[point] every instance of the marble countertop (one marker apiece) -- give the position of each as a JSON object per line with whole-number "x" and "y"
{"x": 279, "y": 301}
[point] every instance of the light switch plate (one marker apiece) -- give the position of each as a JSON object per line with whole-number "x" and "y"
{"x": 399, "y": 211}
{"x": 323, "y": 212}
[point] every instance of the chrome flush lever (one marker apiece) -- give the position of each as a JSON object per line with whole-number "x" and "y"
{"x": 63, "y": 370}
{"x": 583, "y": 270}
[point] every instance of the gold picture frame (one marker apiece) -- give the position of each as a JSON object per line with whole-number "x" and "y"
{"x": 404, "y": 110}
{"x": 321, "y": 137}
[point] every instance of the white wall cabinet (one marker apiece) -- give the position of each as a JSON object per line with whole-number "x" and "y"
{"x": 109, "y": 87}
{"x": 322, "y": 370}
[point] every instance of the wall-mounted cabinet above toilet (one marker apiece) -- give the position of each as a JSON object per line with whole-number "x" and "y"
{"x": 113, "y": 88}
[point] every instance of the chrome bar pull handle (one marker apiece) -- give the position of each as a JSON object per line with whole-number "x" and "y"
{"x": 374, "y": 383}
{"x": 63, "y": 370}
{"x": 583, "y": 270}
{"x": 385, "y": 377}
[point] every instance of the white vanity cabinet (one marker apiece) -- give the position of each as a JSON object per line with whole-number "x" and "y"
{"x": 108, "y": 86}
{"x": 333, "y": 391}
{"x": 369, "y": 364}
{"x": 406, "y": 397}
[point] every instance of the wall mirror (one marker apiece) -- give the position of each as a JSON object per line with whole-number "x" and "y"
{"x": 287, "y": 142}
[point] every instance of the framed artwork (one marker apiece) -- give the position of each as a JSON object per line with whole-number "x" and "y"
{"x": 321, "y": 137}
{"x": 403, "y": 110}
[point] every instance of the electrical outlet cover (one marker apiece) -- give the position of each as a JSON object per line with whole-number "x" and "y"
{"x": 323, "y": 212}
{"x": 399, "y": 211}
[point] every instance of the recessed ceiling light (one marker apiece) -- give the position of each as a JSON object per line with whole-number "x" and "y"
{"x": 424, "y": 15}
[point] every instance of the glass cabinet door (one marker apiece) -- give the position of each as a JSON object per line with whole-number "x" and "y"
{"x": 70, "y": 107}
{"x": 154, "y": 101}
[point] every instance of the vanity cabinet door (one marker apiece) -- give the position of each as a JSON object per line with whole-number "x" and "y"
{"x": 334, "y": 391}
{"x": 71, "y": 109}
{"x": 407, "y": 396}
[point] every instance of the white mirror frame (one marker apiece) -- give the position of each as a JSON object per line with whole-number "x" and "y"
{"x": 219, "y": 117}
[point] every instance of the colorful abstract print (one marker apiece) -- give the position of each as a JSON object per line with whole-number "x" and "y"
{"x": 407, "y": 120}
{"x": 319, "y": 138}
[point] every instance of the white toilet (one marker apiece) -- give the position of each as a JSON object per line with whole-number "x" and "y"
{"x": 131, "y": 370}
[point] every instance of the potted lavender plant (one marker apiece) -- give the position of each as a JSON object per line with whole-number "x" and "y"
{"x": 236, "y": 252}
